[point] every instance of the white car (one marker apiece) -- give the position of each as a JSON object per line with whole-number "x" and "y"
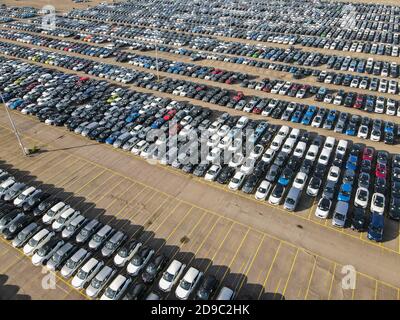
{"x": 248, "y": 166}
{"x": 44, "y": 253}
{"x": 214, "y": 155}
{"x": 256, "y": 152}
{"x": 242, "y": 122}
{"x": 268, "y": 156}
{"x": 378, "y": 203}
{"x": 171, "y": 275}
{"x": 329, "y": 143}
{"x": 236, "y": 181}
{"x": 277, "y": 142}
{"x": 263, "y": 190}
{"x": 300, "y": 180}
{"x": 86, "y": 273}
{"x": 323, "y": 208}
{"x": 139, "y": 260}
{"x": 288, "y": 145}
{"x": 324, "y": 156}
{"x": 375, "y": 135}
{"x": 126, "y": 253}
{"x": 64, "y": 219}
{"x": 236, "y": 161}
{"x": 23, "y": 196}
{"x": 283, "y": 131}
{"x": 213, "y": 140}
{"x": 117, "y": 288}
{"x": 333, "y": 174}
{"x": 299, "y": 149}
{"x": 362, "y": 196}
{"x": 139, "y": 147}
{"x": 363, "y": 132}
{"x": 188, "y": 283}
{"x": 312, "y": 153}
{"x": 37, "y": 241}
{"x": 213, "y": 172}
{"x": 54, "y": 212}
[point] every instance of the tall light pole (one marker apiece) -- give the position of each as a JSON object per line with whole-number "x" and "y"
{"x": 14, "y": 127}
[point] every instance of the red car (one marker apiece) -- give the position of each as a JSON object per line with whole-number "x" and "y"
{"x": 380, "y": 171}
{"x": 359, "y": 102}
{"x": 368, "y": 154}
{"x": 170, "y": 115}
{"x": 238, "y": 96}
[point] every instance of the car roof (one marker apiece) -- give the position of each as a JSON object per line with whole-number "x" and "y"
{"x": 117, "y": 282}
{"x": 191, "y": 274}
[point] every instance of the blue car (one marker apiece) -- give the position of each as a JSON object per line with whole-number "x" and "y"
{"x": 157, "y": 123}
{"x": 296, "y": 117}
{"x": 132, "y": 117}
{"x": 375, "y": 228}
{"x": 111, "y": 139}
{"x": 345, "y": 192}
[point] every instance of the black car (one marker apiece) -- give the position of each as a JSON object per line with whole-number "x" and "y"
{"x": 14, "y": 228}
{"x": 359, "y": 219}
{"x": 250, "y": 183}
{"x": 34, "y": 201}
{"x": 207, "y": 288}
{"x": 44, "y": 206}
{"x": 225, "y": 175}
{"x": 154, "y": 268}
{"x": 135, "y": 292}
{"x": 201, "y": 169}
{"x": 394, "y": 208}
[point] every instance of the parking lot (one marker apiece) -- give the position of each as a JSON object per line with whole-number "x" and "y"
{"x": 220, "y": 75}
{"x": 256, "y": 263}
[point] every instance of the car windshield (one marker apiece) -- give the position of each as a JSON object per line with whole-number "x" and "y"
{"x": 168, "y": 277}
{"x": 185, "y": 285}
{"x": 110, "y": 245}
{"x": 340, "y": 216}
{"x": 137, "y": 261}
{"x": 151, "y": 268}
{"x": 82, "y": 274}
{"x": 378, "y": 202}
{"x": 71, "y": 263}
{"x": 110, "y": 293}
{"x": 96, "y": 283}
{"x": 22, "y": 236}
{"x": 42, "y": 251}
{"x": 56, "y": 258}
{"x": 70, "y": 227}
{"x": 97, "y": 238}
{"x": 61, "y": 220}
{"x": 33, "y": 242}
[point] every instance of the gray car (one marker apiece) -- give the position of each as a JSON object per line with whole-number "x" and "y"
{"x": 73, "y": 263}
{"x": 14, "y": 191}
{"x": 100, "y": 281}
{"x": 25, "y": 234}
{"x": 292, "y": 199}
{"x": 113, "y": 244}
{"x": 329, "y": 190}
{"x": 100, "y": 237}
{"x": 60, "y": 256}
{"x": 87, "y": 231}
{"x": 71, "y": 228}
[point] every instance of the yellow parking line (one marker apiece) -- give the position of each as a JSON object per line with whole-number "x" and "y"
{"x": 269, "y": 270}
{"x": 376, "y": 290}
{"x": 235, "y": 255}
{"x": 290, "y": 272}
{"x": 311, "y": 276}
{"x": 86, "y": 184}
{"x": 277, "y": 287}
{"x": 251, "y": 263}
{"x": 14, "y": 263}
{"x": 99, "y": 186}
{"x": 129, "y": 202}
{"x": 333, "y": 278}
{"x": 220, "y": 245}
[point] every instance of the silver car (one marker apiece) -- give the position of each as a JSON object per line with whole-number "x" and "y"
{"x": 25, "y": 234}
{"x": 60, "y": 256}
{"x": 14, "y": 191}
{"x": 100, "y": 281}
{"x": 72, "y": 227}
{"x": 87, "y": 231}
{"x": 74, "y": 262}
{"x": 113, "y": 243}
{"x": 100, "y": 237}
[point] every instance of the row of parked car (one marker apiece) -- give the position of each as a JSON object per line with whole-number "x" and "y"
{"x": 278, "y": 164}
{"x": 338, "y": 30}
{"x": 105, "y": 262}
{"x": 307, "y": 115}
{"x": 367, "y": 103}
